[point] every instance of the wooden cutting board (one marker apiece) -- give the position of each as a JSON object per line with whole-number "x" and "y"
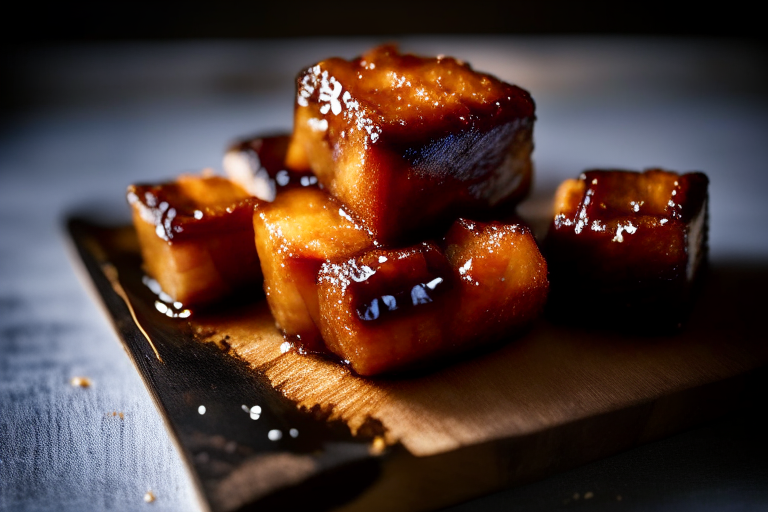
{"x": 555, "y": 398}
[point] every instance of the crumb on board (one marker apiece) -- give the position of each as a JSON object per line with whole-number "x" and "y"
{"x": 588, "y": 495}
{"x": 378, "y": 445}
{"x": 618, "y": 497}
{"x": 149, "y": 497}
{"x": 576, "y": 496}
{"x": 80, "y": 382}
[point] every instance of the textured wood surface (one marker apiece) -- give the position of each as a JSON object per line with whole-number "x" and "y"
{"x": 550, "y": 377}
{"x": 553, "y": 399}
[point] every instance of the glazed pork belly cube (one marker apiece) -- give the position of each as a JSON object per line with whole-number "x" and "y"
{"x": 410, "y": 142}
{"x": 258, "y": 165}
{"x": 387, "y": 309}
{"x": 626, "y": 248}
{"x": 196, "y": 237}
{"x": 502, "y": 277}
{"x": 295, "y": 234}
{"x": 390, "y": 309}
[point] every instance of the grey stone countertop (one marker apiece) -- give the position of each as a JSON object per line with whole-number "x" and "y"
{"x": 80, "y": 123}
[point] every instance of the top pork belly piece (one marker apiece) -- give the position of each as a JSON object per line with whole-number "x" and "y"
{"x": 625, "y": 248}
{"x": 196, "y": 237}
{"x": 408, "y": 142}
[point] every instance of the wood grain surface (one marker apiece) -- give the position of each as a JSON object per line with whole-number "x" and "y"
{"x": 551, "y": 376}
{"x": 557, "y": 397}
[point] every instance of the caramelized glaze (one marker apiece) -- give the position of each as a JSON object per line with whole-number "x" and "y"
{"x": 502, "y": 277}
{"x": 408, "y": 142}
{"x": 631, "y": 245}
{"x": 196, "y": 237}
{"x": 258, "y": 165}
{"x": 294, "y": 235}
{"x": 388, "y": 309}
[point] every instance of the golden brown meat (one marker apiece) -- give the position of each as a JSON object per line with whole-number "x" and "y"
{"x": 386, "y": 310}
{"x": 196, "y": 237}
{"x": 408, "y": 142}
{"x": 625, "y": 248}
{"x": 295, "y": 234}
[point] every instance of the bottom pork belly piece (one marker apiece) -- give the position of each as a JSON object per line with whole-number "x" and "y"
{"x": 625, "y": 249}
{"x": 196, "y": 237}
{"x": 390, "y": 309}
{"x": 295, "y": 234}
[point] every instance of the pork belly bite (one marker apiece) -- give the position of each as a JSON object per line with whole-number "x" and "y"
{"x": 295, "y": 234}
{"x": 408, "y": 142}
{"x": 258, "y": 165}
{"x": 502, "y": 277}
{"x": 626, "y": 248}
{"x": 196, "y": 237}
{"x": 387, "y": 310}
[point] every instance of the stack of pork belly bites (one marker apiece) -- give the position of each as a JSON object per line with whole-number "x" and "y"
{"x": 363, "y": 219}
{"x": 377, "y": 221}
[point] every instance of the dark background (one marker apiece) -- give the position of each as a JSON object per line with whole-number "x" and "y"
{"x": 53, "y": 25}
{"x": 36, "y": 22}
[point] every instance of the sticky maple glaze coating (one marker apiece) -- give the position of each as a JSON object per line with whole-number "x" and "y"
{"x": 626, "y": 248}
{"x": 409, "y": 142}
{"x": 258, "y": 165}
{"x": 295, "y": 234}
{"x": 502, "y": 277}
{"x": 388, "y": 309}
{"x": 196, "y": 237}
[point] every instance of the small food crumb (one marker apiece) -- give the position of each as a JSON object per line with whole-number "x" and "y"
{"x": 618, "y": 498}
{"x": 149, "y": 497}
{"x": 588, "y": 495}
{"x": 378, "y": 445}
{"x": 576, "y": 496}
{"x": 82, "y": 382}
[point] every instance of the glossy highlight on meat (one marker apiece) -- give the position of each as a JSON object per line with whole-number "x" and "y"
{"x": 196, "y": 237}
{"x": 408, "y": 142}
{"x": 258, "y": 165}
{"x": 295, "y": 235}
{"x": 629, "y": 245}
{"x": 388, "y": 309}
